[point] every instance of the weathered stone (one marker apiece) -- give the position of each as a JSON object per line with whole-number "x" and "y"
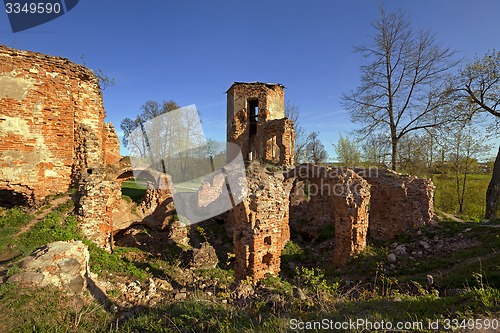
{"x": 180, "y": 296}
{"x": 178, "y": 233}
{"x": 399, "y": 203}
{"x": 256, "y": 122}
{"x": 51, "y": 125}
{"x": 60, "y": 264}
{"x": 202, "y": 258}
{"x": 259, "y": 224}
{"x": 391, "y": 257}
{"x": 98, "y": 197}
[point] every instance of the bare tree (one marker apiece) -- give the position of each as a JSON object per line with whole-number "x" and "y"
{"x": 464, "y": 148}
{"x": 376, "y": 149}
{"x": 315, "y": 151}
{"x": 403, "y": 86}
{"x": 347, "y": 150}
{"x": 480, "y": 85}
{"x": 292, "y": 113}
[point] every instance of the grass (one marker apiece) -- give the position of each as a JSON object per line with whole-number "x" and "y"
{"x": 363, "y": 289}
{"x": 11, "y": 221}
{"x": 24, "y": 309}
{"x": 134, "y": 190}
{"x": 102, "y": 262}
{"x": 445, "y": 197}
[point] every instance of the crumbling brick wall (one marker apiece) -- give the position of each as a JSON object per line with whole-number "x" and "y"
{"x": 51, "y": 125}
{"x": 98, "y": 199}
{"x": 259, "y": 224}
{"x": 399, "y": 203}
{"x": 111, "y": 145}
{"x": 272, "y": 137}
{"x": 338, "y": 197}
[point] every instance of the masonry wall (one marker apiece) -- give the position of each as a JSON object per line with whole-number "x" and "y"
{"x": 51, "y": 125}
{"x": 399, "y": 203}
{"x": 259, "y": 225}
{"x": 337, "y": 197}
{"x": 274, "y": 137}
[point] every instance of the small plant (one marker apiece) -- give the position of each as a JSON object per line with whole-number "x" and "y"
{"x": 489, "y": 297}
{"x": 113, "y": 292}
{"x": 315, "y": 279}
{"x": 14, "y": 269}
{"x": 202, "y": 232}
{"x": 276, "y": 284}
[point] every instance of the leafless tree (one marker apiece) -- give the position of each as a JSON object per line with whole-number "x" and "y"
{"x": 479, "y": 83}
{"x": 376, "y": 149}
{"x": 315, "y": 151}
{"x": 292, "y": 112}
{"x": 403, "y": 86}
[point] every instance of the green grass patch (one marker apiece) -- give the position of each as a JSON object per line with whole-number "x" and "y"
{"x": 54, "y": 227}
{"x": 24, "y": 309}
{"x": 104, "y": 262}
{"x": 11, "y": 221}
{"x": 133, "y": 189}
{"x": 445, "y": 197}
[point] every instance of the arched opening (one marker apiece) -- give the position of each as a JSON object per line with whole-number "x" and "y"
{"x": 134, "y": 188}
{"x": 11, "y": 198}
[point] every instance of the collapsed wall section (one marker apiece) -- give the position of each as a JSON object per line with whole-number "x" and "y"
{"x": 51, "y": 125}
{"x": 337, "y": 197}
{"x": 399, "y": 203}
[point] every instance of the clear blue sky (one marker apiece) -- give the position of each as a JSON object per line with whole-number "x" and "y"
{"x": 192, "y": 51}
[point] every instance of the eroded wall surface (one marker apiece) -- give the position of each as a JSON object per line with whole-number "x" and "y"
{"x": 259, "y": 224}
{"x": 272, "y": 139}
{"x": 335, "y": 196}
{"x": 51, "y": 125}
{"x": 399, "y": 203}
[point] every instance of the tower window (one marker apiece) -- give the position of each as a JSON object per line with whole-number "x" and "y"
{"x": 253, "y": 107}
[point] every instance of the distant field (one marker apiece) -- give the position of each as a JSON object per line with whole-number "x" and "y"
{"x": 134, "y": 189}
{"x": 445, "y": 198}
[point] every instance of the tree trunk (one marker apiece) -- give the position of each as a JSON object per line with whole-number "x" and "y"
{"x": 493, "y": 192}
{"x": 394, "y": 157}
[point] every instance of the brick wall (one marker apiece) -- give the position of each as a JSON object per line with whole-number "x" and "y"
{"x": 399, "y": 203}
{"x": 273, "y": 139}
{"x": 51, "y": 124}
{"x": 259, "y": 224}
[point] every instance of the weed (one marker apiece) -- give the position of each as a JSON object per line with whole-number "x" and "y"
{"x": 277, "y": 285}
{"x": 14, "y": 269}
{"x": 102, "y": 261}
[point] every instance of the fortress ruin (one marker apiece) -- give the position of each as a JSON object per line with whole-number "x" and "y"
{"x": 53, "y": 138}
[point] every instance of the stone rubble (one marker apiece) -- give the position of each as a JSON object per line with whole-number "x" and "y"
{"x": 60, "y": 264}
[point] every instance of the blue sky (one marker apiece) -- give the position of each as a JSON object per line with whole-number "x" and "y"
{"x": 192, "y": 51}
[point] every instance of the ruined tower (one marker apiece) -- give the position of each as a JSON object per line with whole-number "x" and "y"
{"x": 256, "y": 122}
